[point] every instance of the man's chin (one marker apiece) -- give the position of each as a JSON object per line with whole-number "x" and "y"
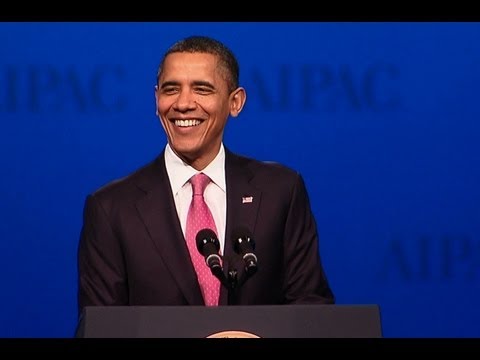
{"x": 187, "y": 154}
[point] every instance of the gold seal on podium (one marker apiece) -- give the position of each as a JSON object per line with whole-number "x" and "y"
{"x": 232, "y": 334}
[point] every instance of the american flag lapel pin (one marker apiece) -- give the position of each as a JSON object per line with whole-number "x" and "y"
{"x": 247, "y": 199}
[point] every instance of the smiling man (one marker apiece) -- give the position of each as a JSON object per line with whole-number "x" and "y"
{"x": 157, "y": 236}
{"x": 195, "y": 96}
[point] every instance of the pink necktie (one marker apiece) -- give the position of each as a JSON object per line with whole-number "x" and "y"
{"x": 199, "y": 217}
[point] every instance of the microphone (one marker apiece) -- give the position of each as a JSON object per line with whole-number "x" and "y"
{"x": 208, "y": 245}
{"x": 244, "y": 245}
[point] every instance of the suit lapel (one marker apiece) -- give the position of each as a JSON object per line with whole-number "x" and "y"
{"x": 157, "y": 209}
{"x": 243, "y": 200}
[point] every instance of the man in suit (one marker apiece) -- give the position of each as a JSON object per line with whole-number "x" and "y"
{"x": 133, "y": 249}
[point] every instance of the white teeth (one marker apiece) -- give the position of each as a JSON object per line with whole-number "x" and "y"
{"x": 187, "y": 123}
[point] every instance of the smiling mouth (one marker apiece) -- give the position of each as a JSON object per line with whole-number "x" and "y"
{"x": 187, "y": 123}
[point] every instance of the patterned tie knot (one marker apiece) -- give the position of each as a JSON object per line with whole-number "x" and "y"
{"x": 199, "y": 183}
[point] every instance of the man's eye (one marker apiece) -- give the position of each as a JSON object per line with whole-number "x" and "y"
{"x": 203, "y": 90}
{"x": 169, "y": 90}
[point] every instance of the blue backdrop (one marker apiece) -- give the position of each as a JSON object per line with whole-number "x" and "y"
{"x": 382, "y": 120}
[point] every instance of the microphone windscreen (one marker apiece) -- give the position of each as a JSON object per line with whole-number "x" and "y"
{"x": 206, "y": 236}
{"x": 242, "y": 240}
{"x": 240, "y": 232}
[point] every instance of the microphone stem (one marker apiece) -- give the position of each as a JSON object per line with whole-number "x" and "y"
{"x": 232, "y": 287}
{"x": 218, "y": 273}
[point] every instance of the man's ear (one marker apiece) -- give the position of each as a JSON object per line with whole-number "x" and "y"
{"x": 237, "y": 100}
{"x": 156, "y": 100}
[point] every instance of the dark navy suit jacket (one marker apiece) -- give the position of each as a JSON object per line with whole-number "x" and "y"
{"x": 132, "y": 250}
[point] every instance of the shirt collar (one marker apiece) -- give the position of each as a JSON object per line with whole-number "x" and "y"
{"x": 179, "y": 172}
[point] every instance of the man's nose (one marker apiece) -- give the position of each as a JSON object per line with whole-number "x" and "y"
{"x": 185, "y": 101}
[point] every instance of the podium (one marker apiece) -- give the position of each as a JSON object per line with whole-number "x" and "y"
{"x": 263, "y": 321}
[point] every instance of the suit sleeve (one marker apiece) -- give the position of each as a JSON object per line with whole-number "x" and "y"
{"x": 101, "y": 274}
{"x": 305, "y": 279}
